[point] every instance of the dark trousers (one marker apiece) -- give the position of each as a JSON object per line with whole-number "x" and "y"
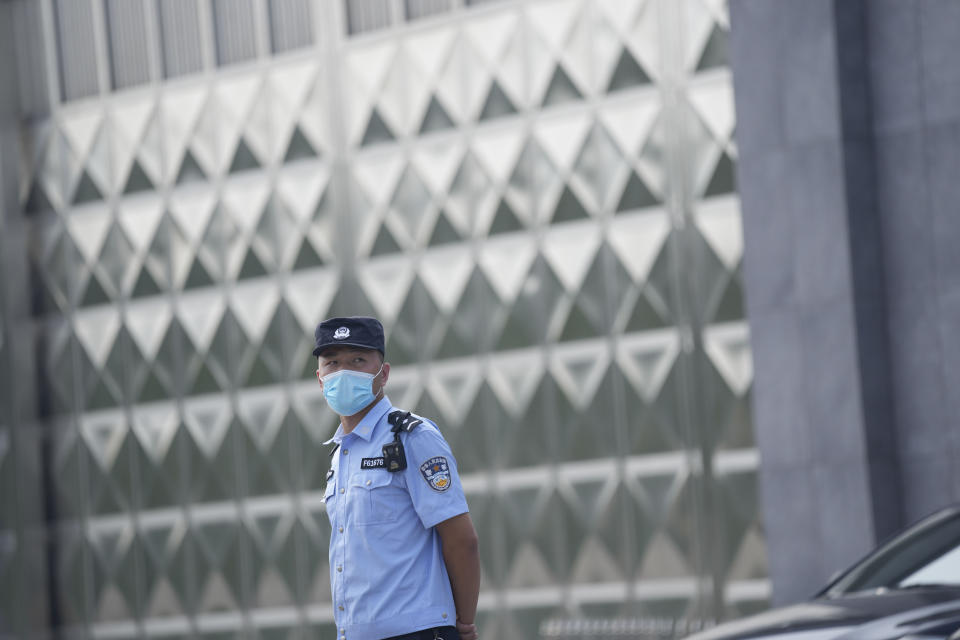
{"x": 438, "y": 633}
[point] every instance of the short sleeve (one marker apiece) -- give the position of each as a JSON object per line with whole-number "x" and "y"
{"x": 432, "y": 477}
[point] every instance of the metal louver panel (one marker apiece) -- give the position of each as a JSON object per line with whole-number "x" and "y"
{"x": 77, "y": 40}
{"x": 30, "y": 55}
{"x": 368, "y": 15}
{"x": 129, "y": 58}
{"x": 235, "y": 31}
{"x": 180, "y": 37}
{"x": 290, "y": 23}
{"x": 423, "y": 8}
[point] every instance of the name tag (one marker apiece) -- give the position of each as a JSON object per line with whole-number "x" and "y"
{"x": 371, "y": 463}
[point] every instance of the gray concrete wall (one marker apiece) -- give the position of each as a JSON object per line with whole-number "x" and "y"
{"x": 24, "y": 610}
{"x": 916, "y": 78}
{"x": 849, "y": 144}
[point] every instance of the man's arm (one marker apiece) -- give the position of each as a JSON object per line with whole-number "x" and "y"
{"x": 461, "y": 554}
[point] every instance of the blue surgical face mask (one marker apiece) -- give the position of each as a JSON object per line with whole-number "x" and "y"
{"x": 348, "y": 392}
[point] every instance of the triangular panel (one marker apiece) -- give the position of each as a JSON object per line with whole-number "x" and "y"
{"x": 645, "y": 316}
{"x": 561, "y": 89}
{"x": 453, "y": 388}
{"x": 579, "y": 370}
{"x": 376, "y": 131}
{"x": 252, "y": 267}
{"x": 435, "y": 118}
{"x": 37, "y": 200}
{"x": 299, "y": 147}
{"x": 243, "y": 158}
{"x": 627, "y": 74}
{"x": 505, "y": 262}
{"x": 637, "y": 240}
{"x": 636, "y": 195}
{"x": 729, "y": 349}
{"x": 646, "y": 360}
{"x": 570, "y": 250}
{"x": 505, "y": 220}
{"x": 385, "y": 243}
{"x": 715, "y": 52}
{"x": 198, "y": 277}
{"x": 730, "y": 307}
{"x": 387, "y": 282}
{"x": 307, "y": 257}
{"x": 724, "y": 178}
{"x": 444, "y": 273}
{"x": 86, "y": 191}
{"x": 145, "y": 285}
{"x": 208, "y": 421}
{"x": 155, "y": 428}
{"x": 578, "y": 326}
{"x": 443, "y": 232}
{"x": 137, "y": 180}
{"x": 514, "y": 378}
{"x": 719, "y": 222}
{"x": 569, "y": 208}
{"x": 497, "y": 104}
{"x": 190, "y": 170}
{"x": 94, "y": 294}
{"x": 309, "y": 294}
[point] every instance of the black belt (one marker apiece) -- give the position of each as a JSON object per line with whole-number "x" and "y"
{"x": 437, "y": 633}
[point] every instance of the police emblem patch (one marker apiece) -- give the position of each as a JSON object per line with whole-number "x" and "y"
{"x": 341, "y": 333}
{"x": 436, "y": 472}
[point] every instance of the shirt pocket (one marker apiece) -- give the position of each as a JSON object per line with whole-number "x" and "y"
{"x": 374, "y": 498}
{"x": 329, "y": 499}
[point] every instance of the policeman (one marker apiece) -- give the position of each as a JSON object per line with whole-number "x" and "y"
{"x": 404, "y": 559}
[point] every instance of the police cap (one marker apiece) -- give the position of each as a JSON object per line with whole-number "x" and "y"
{"x": 355, "y": 331}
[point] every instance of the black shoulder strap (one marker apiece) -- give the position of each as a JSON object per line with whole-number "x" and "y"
{"x": 403, "y": 421}
{"x": 394, "y": 457}
{"x": 334, "y": 450}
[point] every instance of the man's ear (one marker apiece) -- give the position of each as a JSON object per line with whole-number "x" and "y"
{"x": 385, "y": 374}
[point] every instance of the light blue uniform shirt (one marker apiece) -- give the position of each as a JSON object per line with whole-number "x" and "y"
{"x": 387, "y": 574}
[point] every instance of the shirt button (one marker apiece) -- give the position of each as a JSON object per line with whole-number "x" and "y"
{"x": 340, "y": 607}
{"x": 345, "y": 452}
{"x": 340, "y": 529}
{"x": 444, "y": 616}
{"x": 339, "y": 569}
{"x": 368, "y": 483}
{"x": 342, "y": 489}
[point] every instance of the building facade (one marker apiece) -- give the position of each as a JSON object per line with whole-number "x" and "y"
{"x": 537, "y": 199}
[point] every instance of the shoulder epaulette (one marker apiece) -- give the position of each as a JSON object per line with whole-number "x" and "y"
{"x": 334, "y": 450}
{"x": 403, "y": 421}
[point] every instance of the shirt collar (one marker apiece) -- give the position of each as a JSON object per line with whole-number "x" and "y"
{"x": 367, "y": 426}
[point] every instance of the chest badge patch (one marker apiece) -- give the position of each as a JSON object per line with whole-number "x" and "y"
{"x": 436, "y": 472}
{"x": 372, "y": 463}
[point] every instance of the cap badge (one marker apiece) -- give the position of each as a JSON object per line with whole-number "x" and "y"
{"x": 341, "y": 333}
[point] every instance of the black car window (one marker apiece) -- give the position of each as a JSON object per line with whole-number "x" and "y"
{"x": 928, "y": 554}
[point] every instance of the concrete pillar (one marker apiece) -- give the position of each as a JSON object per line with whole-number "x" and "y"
{"x": 24, "y": 611}
{"x": 847, "y": 115}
